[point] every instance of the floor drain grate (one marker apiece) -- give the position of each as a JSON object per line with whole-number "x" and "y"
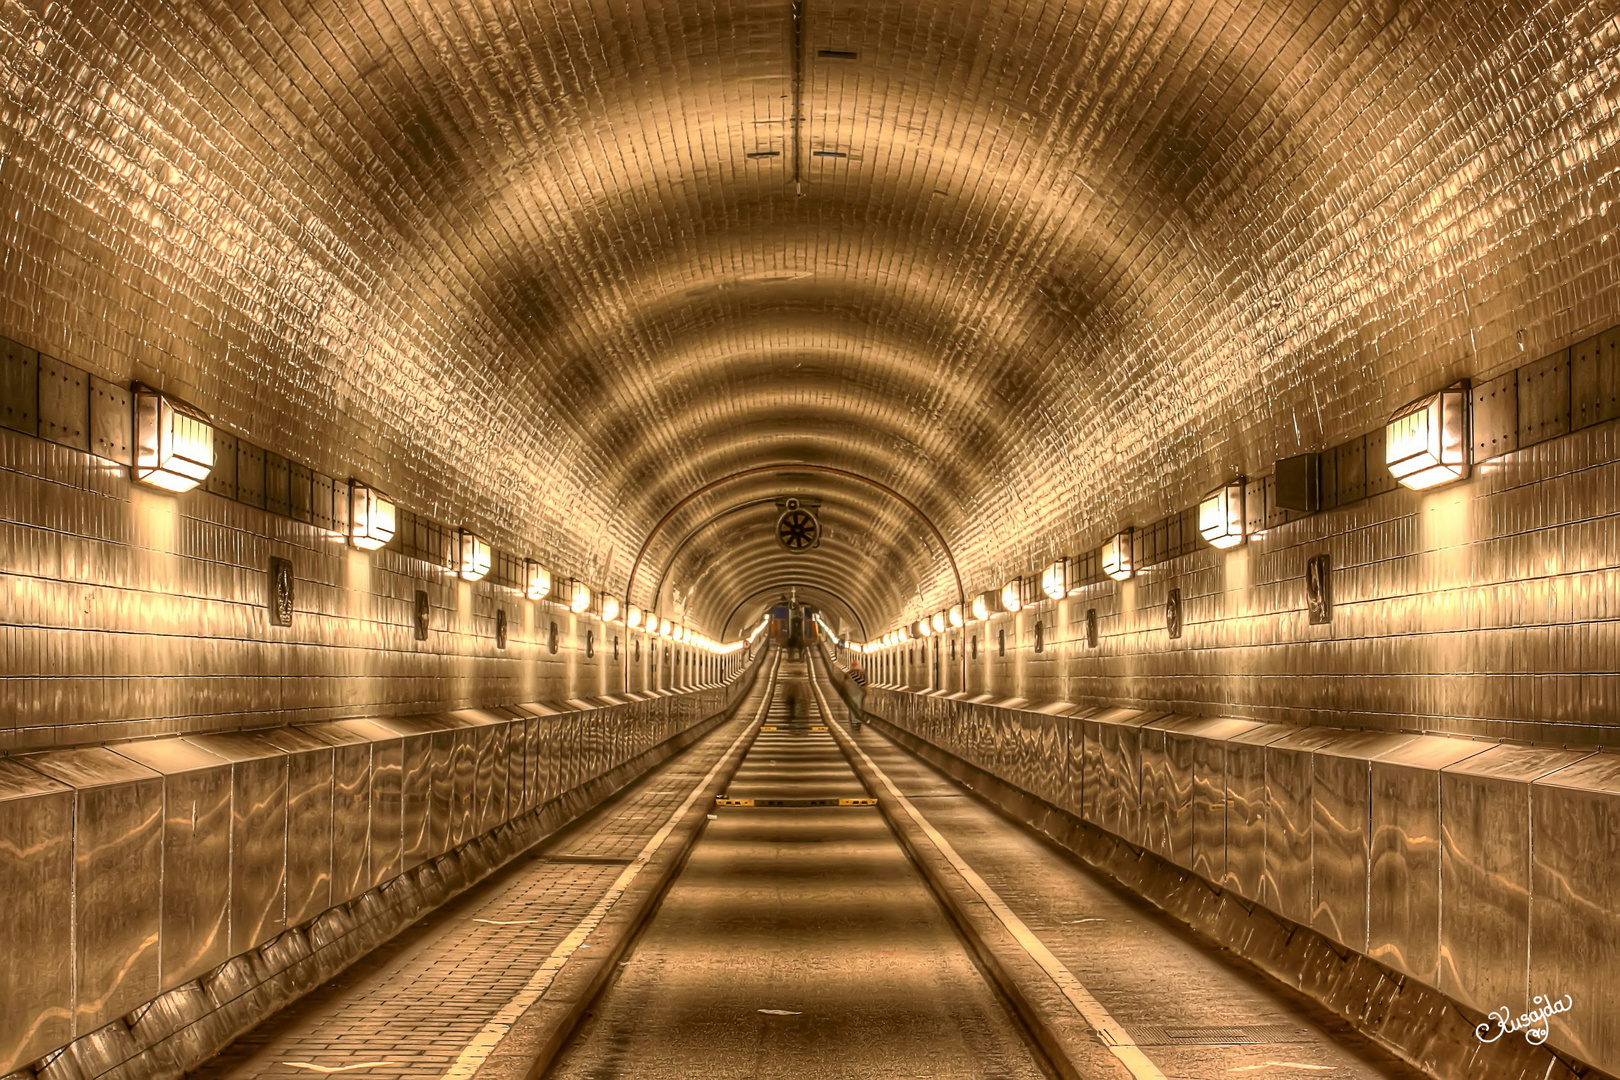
{"x": 1252, "y": 1035}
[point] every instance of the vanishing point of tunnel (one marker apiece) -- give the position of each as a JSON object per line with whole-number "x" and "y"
{"x": 809, "y": 539}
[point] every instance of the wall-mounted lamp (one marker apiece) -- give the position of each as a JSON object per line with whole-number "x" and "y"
{"x": 1116, "y": 556}
{"x": 1012, "y": 595}
{"x": 372, "y": 518}
{"x": 955, "y": 615}
{"x": 1426, "y": 443}
{"x": 538, "y": 580}
{"x": 987, "y": 604}
{"x": 174, "y": 442}
{"x": 610, "y": 607}
{"x": 474, "y": 559}
{"x": 632, "y": 617}
{"x": 1221, "y": 517}
{"x": 938, "y": 622}
{"x": 1055, "y": 580}
{"x": 579, "y": 597}
{"x": 664, "y": 627}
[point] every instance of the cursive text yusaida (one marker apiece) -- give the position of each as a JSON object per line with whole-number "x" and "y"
{"x": 1532, "y": 1023}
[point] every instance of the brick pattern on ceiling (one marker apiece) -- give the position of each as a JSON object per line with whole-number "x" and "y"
{"x": 1052, "y": 268}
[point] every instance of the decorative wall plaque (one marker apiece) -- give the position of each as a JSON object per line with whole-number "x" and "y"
{"x": 590, "y": 643}
{"x": 1172, "y": 613}
{"x": 500, "y": 628}
{"x": 1319, "y": 590}
{"x": 551, "y": 639}
{"x": 424, "y": 615}
{"x": 635, "y": 648}
{"x": 1040, "y": 638}
{"x": 1092, "y": 636}
{"x": 281, "y": 592}
{"x": 615, "y": 646}
{"x": 1001, "y": 642}
{"x": 973, "y": 647}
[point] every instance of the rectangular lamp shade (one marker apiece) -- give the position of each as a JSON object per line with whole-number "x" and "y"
{"x": 371, "y": 517}
{"x": 474, "y": 556}
{"x": 632, "y": 617}
{"x": 174, "y": 442}
{"x": 1221, "y": 518}
{"x": 955, "y": 615}
{"x": 1426, "y": 443}
{"x": 1055, "y": 580}
{"x": 1012, "y": 597}
{"x": 579, "y": 597}
{"x": 1116, "y": 556}
{"x": 538, "y": 580}
{"x": 610, "y": 607}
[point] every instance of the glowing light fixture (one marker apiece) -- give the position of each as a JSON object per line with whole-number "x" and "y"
{"x": 579, "y": 597}
{"x": 955, "y": 615}
{"x": 474, "y": 556}
{"x": 538, "y": 580}
{"x": 987, "y": 604}
{"x": 1426, "y": 443}
{"x": 1055, "y": 580}
{"x": 1012, "y": 597}
{"x": 610, "y": 607}
{"x": 1116, "y": 556}
{"x": 371, "y": 517}
{"x": 664, "y": 627}
{"x": 174, "y": 442}
{"x": 937, "y": 621}
{"x": 632, "y": 617}
{"x": 1221, "y": 518}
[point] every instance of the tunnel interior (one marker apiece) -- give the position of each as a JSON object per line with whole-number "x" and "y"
{"x": 1186, "y": 427}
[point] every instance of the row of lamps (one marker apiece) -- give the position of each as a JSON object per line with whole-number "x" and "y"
{"x": 175, "y": 453}
{"x": 1425, "y": 445}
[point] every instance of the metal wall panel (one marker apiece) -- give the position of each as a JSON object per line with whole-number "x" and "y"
{"x": 1119, "y": 777}
{"x": 387, "y": 809}
{"x": 310, "y": 764}
{"x": 117, "y": 860}
{"x": 194, "y": 923}
{"x": 1496, "y": 416}
{"x": 1575, "y": 910}
{"x": 111, "y": 421}
{"x": 36, "y": 878}
{"x": 1286, "y": 888}
{"x": 258, "y": 835}
{"x": 1341, "y": 829}
{"x": 1403, "y": 917}
{"x": 464, "y": 777}
{"x": 1594, "y": 380}
{"x": 1485, "y": 873}
{"x": 64, "y": 404}
{"x": 351, "y": 810}
{"x": 1246, "y": 810}
{"x": 416, "y": 798}
{"x": 1544, "y": 399}
{"x": 1207, "y": 739}
{"x": 442, "y": 789}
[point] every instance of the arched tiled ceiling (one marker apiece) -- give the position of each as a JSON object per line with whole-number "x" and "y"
{"x": 1078, "y": 260}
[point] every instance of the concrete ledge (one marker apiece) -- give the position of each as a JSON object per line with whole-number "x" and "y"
{"x": 179, "y": 1030}
{"x": 1417, "y": 1023}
